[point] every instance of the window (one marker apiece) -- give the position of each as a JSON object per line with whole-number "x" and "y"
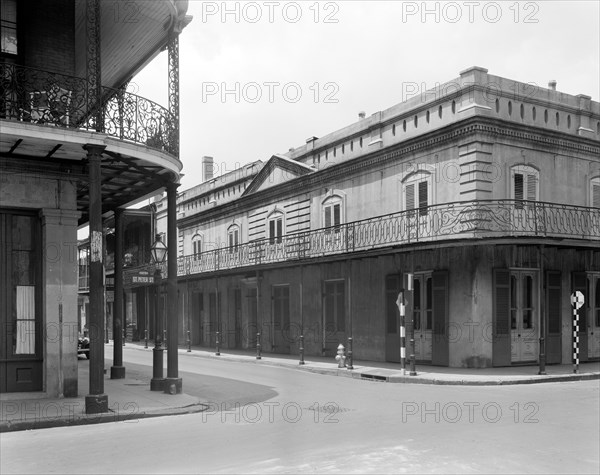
{"x": 8, "y": 26}
{"x": 524, "y": 183}
{"x": 233, "y": 237}
{"x": 417, "y": 193}
{"x": 275, "y": 228}
{"x": 334, "y": 306}
{"x": 196, "y": 244}
{"x": 332, "y": 212}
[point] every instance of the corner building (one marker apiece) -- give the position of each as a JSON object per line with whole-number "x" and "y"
{"x": 76, "y": 146}
{"x": 487, "y": 192}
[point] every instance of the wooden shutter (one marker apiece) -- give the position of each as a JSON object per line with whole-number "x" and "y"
{"x": 423, "y": 198}
{"x": 327, "y": 217}
{"x": 440, "y": 347}
{"x": 553, "y": 316}
{"x": 279, "y": 229}
{"x": 501, "y": 318}
{"x": 518, "y": 186}
{"x": 579, "y": 282}
{"x": 410, "y": 196}
{"x": 532, "y": 187}
{"x": 336, "y": 214}
{"x": 271, "y": 231}
{"x": 596, "y": 193}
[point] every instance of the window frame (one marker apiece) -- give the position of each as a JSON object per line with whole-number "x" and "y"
{"x": 233, "y": 237}
{"x": 415, "y": 181}
{"x": 533, "y": 176}
{"x": 275, "y": 227}
{"x": 328, "y": 212}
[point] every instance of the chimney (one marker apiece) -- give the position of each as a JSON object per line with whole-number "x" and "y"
{"x": 552, "y": 84}
{"x": 361, "y": 115}
{"x": 207, "y": 168}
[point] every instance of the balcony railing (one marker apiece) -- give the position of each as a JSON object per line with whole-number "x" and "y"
{"x": 42, "y": 97}
{"x": 460, "y": 220}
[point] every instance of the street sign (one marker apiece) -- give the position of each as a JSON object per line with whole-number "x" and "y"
{"x": 577, "y": 299}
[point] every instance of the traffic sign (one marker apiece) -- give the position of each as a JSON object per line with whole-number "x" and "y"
{"x": 577, "y": 299}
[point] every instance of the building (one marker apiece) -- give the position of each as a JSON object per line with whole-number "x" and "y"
{"x": 487, "y": 191}
{"x": 76, "y": 146}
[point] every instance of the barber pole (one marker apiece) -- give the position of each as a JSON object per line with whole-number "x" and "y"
{"x": 577, "y": 301}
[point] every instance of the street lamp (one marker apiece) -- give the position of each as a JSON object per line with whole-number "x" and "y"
{"x": 159, "y": 254}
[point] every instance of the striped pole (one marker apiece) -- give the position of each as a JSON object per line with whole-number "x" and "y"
{"x": 575, "y": 340}
{"x": 577, "y": 300}
{"x": 402, "y": 308}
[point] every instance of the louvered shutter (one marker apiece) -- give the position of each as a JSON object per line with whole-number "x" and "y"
{"x": 440, "y": 347}
{"x": 336, "y": 214}
{"x": 596, "y": 193}
{"x": 410, "y": 196}
{"x": 327, "y": 217}
{"x": 423, "y": 198}
{"x": 532, "y": 187}
{"x": 518, "y": 186}
{"x": 501, "y": 318}
{"x": 554, "y": 316}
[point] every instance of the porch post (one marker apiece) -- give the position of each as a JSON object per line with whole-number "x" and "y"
{"x": 96, "y": 401}
{"x": 117, "y": 370}
{"x": 173, "y": 383}
{"x": 94, "y": 70}
{"x": 173, "y": 50}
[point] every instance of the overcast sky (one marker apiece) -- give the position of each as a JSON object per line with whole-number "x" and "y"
{"x": 297, "y": 69}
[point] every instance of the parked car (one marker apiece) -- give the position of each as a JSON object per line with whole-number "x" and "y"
{"x": 83, "y": 346}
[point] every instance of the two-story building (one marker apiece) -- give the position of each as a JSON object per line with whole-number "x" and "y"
{"x": 75, "y": 147}
{"x": 485, "y": 188}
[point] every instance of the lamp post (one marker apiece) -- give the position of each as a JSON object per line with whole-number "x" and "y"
{"x": 159, "y": 253}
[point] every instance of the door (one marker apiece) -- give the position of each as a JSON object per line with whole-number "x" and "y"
{"x": 553, "y": 310}
{"x": 524, "y": 317}
{"x": 423, "y": 316}
{"x": 281, "y": 318}
{"x": 334, "y": 316}
{"x": 197, "y": 313}
{"x": 252, "y": 326}
{"x": 593, "y": 318}
{"x": 393, "y": 285}
{"x": 211, "y": 328}
{"x": 20, "y": 303}
{"x": 237, "y": 311}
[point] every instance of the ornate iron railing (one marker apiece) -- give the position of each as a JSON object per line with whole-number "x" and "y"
{"x": 42, "y": 97}
{"x": 460, "y": 220}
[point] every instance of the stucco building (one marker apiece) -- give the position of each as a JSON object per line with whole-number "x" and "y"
{"x": 484, "y": 189}
{"x": 75, "y": 147}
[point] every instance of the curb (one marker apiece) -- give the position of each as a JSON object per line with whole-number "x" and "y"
{"x": 85, "y": 419}
{"x": 356, "y": 374}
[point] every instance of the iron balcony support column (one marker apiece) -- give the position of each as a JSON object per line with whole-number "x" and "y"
{"x": 157, "y": 383}
{"x": 96, "y": 401}
{"x": 543, "y": 311}
{"x": 94, "y": 69}
{"x": 117, "y": 370}
{"x": 173, "y": 50}
{"x": 173, "y": 383}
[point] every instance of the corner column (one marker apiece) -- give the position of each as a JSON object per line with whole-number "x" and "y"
{"x": 117, "y": 370}
{"x": 96, "y": 401}
{"x": 173, "y": 383}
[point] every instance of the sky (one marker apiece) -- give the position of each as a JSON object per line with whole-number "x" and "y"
{"x": 257, "y": 78}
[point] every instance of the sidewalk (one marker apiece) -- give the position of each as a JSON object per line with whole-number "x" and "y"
{"x": 131, "y": 399}
{"x": 392, "y": 372}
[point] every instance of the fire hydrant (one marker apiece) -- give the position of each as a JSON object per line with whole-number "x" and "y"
{"x": 341, "y": 357}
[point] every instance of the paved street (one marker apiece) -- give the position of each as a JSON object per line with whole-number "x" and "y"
{"x": 265, "y": 419}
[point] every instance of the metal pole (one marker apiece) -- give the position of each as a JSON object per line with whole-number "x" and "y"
{"x": 218, "y": 352}
{"x": 349, "y": 355}
{"x": 146, "y": 337}
{"x": 258, "y": 357}
{"x": 96, "y": 401}
{"x": 189, "y": 342}
{"x": 402, "y": 309}
{"x": 301, "y": 362}
{"x": 575, "y": 340}
{"x": 158, "y": 382}
{"x": 542, "y": 356}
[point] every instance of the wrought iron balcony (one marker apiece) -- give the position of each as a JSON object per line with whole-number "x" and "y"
{"x": 41, "y": 97}
{"x": 449, "y": 221}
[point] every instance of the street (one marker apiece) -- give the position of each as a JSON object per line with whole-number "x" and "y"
{"x": 265, "y": 419}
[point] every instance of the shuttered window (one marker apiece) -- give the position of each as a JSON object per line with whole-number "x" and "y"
{"x": 417, "y": 194}
{"x": 332, "y": 213}
{"x": 525, "y": 184}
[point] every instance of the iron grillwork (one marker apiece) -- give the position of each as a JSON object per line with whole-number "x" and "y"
{"x": 52, "y": 99}
{"x": 460, "y": 220}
